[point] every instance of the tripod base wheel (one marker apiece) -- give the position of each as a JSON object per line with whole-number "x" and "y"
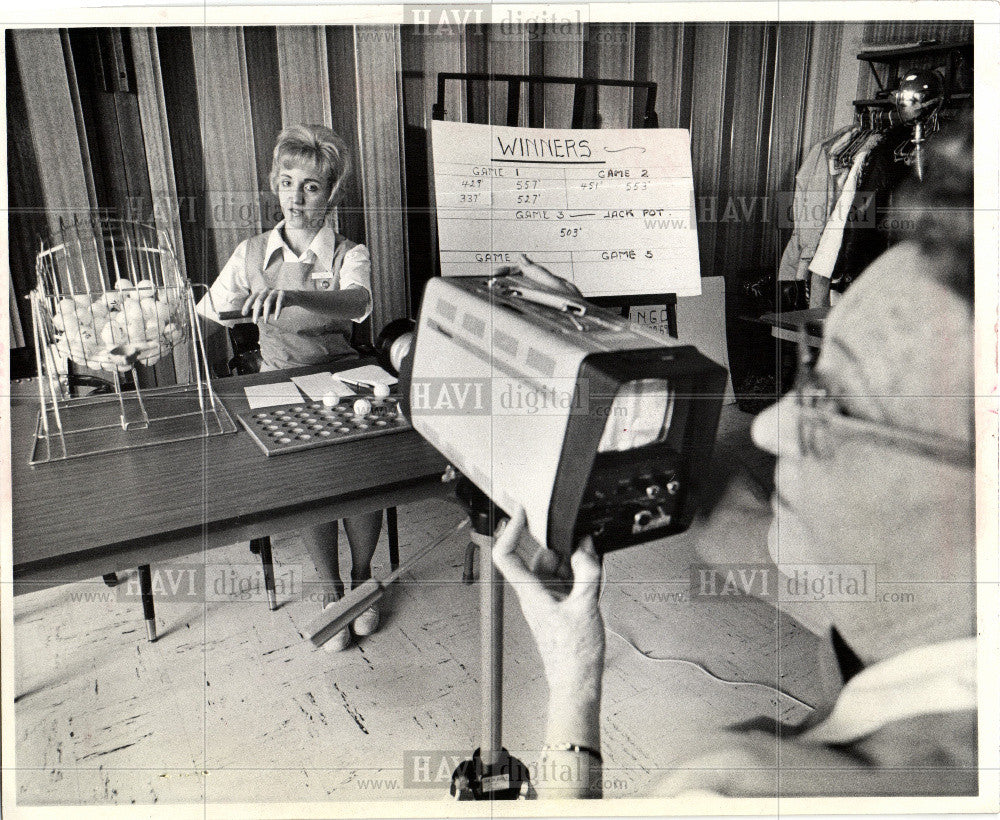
{"x": 505, "y": 779}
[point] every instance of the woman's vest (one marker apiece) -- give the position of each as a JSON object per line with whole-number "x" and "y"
{"x": 299, "y": 336}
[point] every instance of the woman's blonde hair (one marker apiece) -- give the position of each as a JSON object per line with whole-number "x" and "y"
{"x": 316, "y": 144}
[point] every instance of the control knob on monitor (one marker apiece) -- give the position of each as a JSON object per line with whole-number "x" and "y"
{"x": 642, "y": 519}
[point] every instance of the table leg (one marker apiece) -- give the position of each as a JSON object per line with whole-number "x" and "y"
{"x": 392, "y": 525}
{"x": 263, "y": 548}
{"x": 146, "y": 592}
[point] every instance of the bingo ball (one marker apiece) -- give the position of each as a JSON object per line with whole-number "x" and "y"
{"x": 173, "y": 333}
{"x": 65, "y": 317}
{"x": 163, "y": 314}
{"x": 111, "y": 334}
{"x": 147, "y": 304}
{"x": 132, "y": 311}
{"x": 98, "y": 311}
{"x": 362, "y": 407}
{"x": 330, "y": 400}
{"x": 380, "y": 391}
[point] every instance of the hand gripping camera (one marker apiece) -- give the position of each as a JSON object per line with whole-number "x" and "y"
{"x": 591, "y": 424}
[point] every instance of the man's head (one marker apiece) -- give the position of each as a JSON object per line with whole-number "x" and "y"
{"x": 878, "y": 475}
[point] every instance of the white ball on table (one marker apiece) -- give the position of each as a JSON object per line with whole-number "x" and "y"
{"x": 380, "y": 391}
{"x": 331, "y": 400}
{"x": 362, "y": 407}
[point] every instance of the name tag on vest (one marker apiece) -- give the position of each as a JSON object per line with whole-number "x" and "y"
{"x": 322, "y": 279}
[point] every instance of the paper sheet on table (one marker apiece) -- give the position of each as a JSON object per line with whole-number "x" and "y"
{"x": 367, "y": 374}
{"x": 318, "y": 385}
{"x": 268, "y": 395}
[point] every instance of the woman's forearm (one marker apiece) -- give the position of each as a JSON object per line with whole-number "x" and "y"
{"x": 573, "y": 720}
{"x": 350, "y": 303}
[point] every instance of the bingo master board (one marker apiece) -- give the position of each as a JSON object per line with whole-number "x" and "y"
{"x": 610, "y": 210}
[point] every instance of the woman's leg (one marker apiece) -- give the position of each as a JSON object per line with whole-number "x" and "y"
{"x": 362, "y": 533}
{"x": 321, "y": 543}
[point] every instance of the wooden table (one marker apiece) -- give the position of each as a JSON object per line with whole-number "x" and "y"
{"x": 98, "y": 514}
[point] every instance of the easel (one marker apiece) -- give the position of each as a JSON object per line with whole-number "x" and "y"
{"x": 585, "y": 115}
{"x": 491, "y": 773}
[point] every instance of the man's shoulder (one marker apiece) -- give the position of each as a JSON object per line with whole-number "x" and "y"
{"x": 920, "y": 755}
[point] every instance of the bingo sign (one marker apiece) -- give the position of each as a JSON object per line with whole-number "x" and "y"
{"x": 610, "y": 210}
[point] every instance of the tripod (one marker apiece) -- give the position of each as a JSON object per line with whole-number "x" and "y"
{"x": 492, "y": 773}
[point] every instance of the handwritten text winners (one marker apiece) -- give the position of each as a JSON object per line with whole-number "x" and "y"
{"x": 613, "y": 211}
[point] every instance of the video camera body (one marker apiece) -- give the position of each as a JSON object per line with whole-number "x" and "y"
{"x": 591, "y": 424}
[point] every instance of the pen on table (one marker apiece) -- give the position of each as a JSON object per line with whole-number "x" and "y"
{"x": 358, "y": 387}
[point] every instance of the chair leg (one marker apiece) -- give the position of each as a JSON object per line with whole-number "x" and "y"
{"x": 469, "y": 567}
{"x": 392, "y": 531}
{"x": 146, "y": 592}
{"x": 263, "y": 548}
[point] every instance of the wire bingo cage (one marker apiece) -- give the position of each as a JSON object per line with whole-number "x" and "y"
{"x": 110, "y": 297}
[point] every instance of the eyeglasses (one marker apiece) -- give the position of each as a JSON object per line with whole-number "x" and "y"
{"x": 822, "y": 420}
{"x": 814, "y": 402}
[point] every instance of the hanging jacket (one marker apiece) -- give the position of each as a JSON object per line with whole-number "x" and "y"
{"x": 871, "y": 230}
{"x": 816, "y": 191}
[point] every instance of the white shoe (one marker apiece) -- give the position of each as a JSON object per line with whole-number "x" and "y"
{"x": 367, "y": 622}
{"x": 340, "y": 641}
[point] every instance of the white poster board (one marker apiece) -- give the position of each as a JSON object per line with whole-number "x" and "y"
{"x": 701, "y": 321}
{"x": 610, "y": 210}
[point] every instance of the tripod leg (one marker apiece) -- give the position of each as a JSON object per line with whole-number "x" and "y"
{"x": 491, "y": 622}
{"x": 492, "y": 773}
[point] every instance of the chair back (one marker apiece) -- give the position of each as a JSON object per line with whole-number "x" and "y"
{"x": 245, "y": 341}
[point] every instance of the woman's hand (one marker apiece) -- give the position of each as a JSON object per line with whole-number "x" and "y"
{"x": 264, "y": 304}
{"x": 567, "y": 628}
{"x": 539, "y": 275}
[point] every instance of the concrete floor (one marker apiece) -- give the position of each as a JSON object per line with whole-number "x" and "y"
{"x": 232, "y": 706}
